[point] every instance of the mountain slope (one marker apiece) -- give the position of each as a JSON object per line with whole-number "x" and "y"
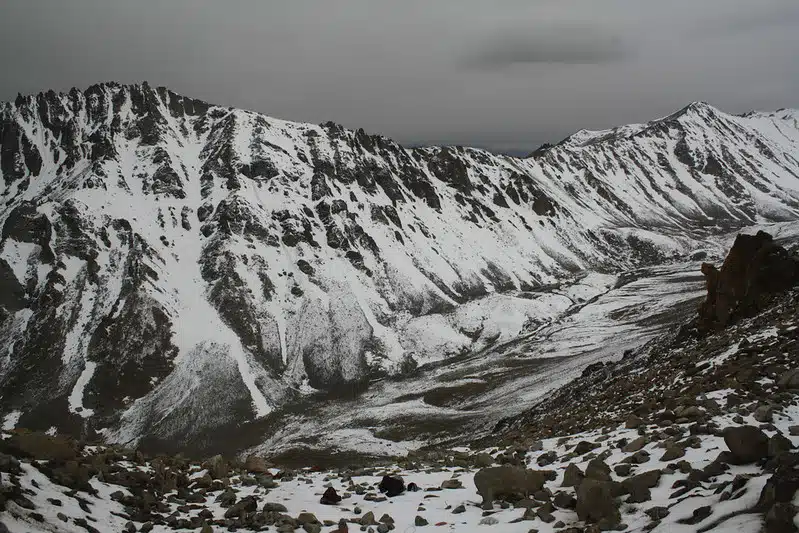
{"x": 169, "y": 266}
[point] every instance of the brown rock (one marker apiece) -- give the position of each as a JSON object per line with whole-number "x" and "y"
{"x": 754, "y": 267}
{"x": 746, "y": 443}
{"x": 256, "y": 464}
{"x": 503, "y": 481}
{"x": 635, "y": 445}
{"x": 595, "y": 502}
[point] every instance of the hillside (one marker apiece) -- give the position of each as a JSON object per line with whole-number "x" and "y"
{"x": 169, "y": 267}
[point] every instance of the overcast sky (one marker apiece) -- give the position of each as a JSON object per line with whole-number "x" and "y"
{"x": 503, "y": 74}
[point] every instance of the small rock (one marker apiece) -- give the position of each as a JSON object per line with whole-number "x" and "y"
{"x": 419, "y": 521}
{"x": 622, "y": 470}
{"x": 368, "y": 519}
{"x": 597, "y": 469}
{"x": 451, "y": 484}
{"x": 545, "y": 516}
{"x": 764, "y": 414}
{"x": 657, "y": 513}
{"x": 272, "y": 507}
{"x": 547, "y": 458}
{"x": 633, "y": 422}
{"x": 635, "y": 445}
{"x": 673, "y": 452}
{"x": 330, "y": 497}
{"x": 698, "y": 515}
{"x": 583, "y": 447}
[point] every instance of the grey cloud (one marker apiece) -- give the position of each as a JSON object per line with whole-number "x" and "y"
{"x": 767, "y": 16}
{"x": 407, "y": 69}
{"x": 567, "y": 44}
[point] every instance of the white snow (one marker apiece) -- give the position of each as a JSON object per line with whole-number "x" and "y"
{"x": 76, "y": 396}
{"x": 11, "y": 419}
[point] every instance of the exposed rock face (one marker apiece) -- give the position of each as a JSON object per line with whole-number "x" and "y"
{"x": 169, "y": 268}
{"x": 754, "y": 268}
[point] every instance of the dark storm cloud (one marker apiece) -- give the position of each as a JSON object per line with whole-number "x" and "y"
{"x": 566, "y": 44}
{"x": 505, "y": 74}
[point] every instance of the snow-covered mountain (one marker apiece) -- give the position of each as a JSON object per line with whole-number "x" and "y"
{"x": 168, "y": 267}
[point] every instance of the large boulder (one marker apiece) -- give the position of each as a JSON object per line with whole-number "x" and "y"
{"x": 776, "y": 501}
{"x": 256, "y": 464}
{"x": 509, "y": 482}
{"x": 754, "y": 268}
{"x": 747, "y": 444}
{"x": 217, "y": 466}
{"x": 391, "y": 486}
{"x": 596, "y": 502}
{"x": 597, "y": 469}
{"x": 573, "y": 476}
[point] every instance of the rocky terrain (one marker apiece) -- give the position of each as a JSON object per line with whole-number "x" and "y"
{"x": 179, "y": 274}
{"x": 694, "y": 431}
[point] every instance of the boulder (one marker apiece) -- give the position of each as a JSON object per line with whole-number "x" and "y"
{"x": 451, "y": 484}
{"x": 391, "y": 486}
{"x": 248, "y": 504}
{"x": 635, "y": 445}
{"x": 564, "y": 500}
{"x": 217, "y": 466}
{"x": 547, "y": 458}
{"x": 482, "y": 460}
{"x": 509, "y": 482}
{"x": 638, "y": 486}
{"x": 584, "y": 447}
{"x": 227, "y": 498}
{"x": 790, "y": 379}
{"x": 622, "y": 470}
{"x": 779, "y": 444}
{"x": 633, "y": 422}
{"x": 595, "y": 502}
{"x": 368, "y": 519}
{"x": 330, "y": 497}
{"x": 747, "y": 444}
{"x": 573, "y": 476}
{"x": 673, "y": 452}
{"x": 763, "y": 413}
{"x": 256, "y": 464}
{"x": 597, "y": 469}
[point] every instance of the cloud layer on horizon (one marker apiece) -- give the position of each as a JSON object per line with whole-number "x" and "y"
{"x": 507, "y": 75}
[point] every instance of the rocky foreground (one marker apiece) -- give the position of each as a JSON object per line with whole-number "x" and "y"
{"x": 694, "y": 432}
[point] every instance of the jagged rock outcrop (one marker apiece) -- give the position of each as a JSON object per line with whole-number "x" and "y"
{"x": 755, "y": 268}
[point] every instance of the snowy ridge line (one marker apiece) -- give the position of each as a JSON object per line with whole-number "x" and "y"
{"x": 142, "y": 228}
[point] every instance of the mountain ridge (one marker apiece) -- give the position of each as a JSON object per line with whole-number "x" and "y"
{"x": 174, "y": 266}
